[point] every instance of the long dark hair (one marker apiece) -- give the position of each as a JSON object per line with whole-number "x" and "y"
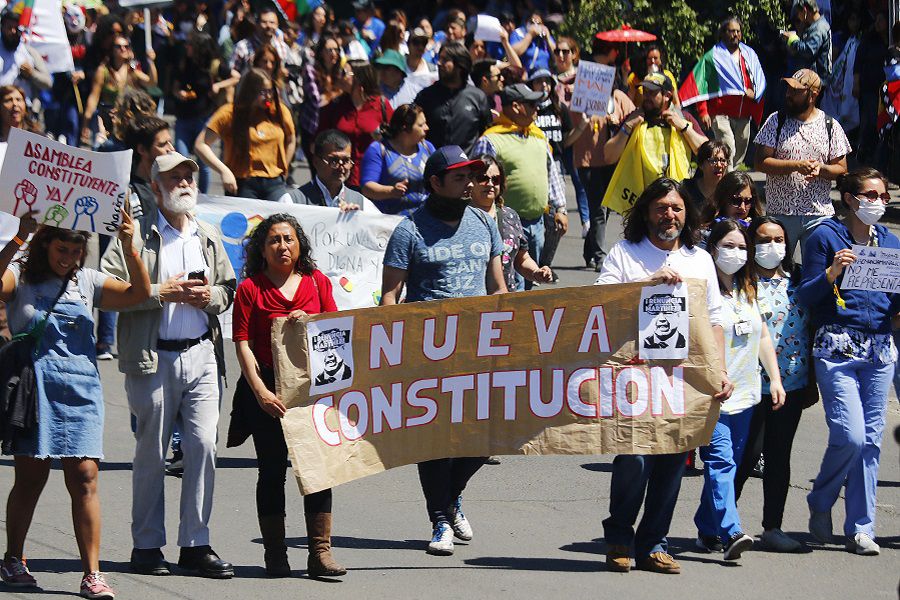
{"x": 787, "y": 263}
{"x": 254, "y": 257}
{"x": 637, "y": 220}
{"x": 248, "y": 89}
{"x": 746, "y": 275}
{"x": 489, "y": 161}
{"x": 35, "y": 266}
{"x": 730, "y": 186}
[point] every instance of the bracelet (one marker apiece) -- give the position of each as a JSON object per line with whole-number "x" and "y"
{"x": 686, "y": 127}
{"x": 626, "y": 130}
{"x": 18, "y": 240}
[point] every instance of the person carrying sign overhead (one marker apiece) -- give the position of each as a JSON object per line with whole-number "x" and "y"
{"x": 656, "y": 140}
{"x": 445, "y": 225}
{"x": 659, "y": 247}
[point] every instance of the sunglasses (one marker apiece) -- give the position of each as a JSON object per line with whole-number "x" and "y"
{"x": 738, "y": 201}
{"x": 562, "y": 51}
{"x": 872, "y": 196}
{"x": 493, "y": 180}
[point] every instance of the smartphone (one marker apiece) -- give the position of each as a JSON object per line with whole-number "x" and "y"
{"x": 201, "y": 275}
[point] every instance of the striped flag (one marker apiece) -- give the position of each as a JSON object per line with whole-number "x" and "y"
{"x": 717, "y": 74}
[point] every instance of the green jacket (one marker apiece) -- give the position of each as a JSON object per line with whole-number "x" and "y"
{"x": 138, "y": 326}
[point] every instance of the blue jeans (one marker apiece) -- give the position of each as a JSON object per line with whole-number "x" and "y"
{"x": 534, "y": 233}
{"x": 581, "y": 196}
{"x": 798, "y": 228}
{"x": 659, "y": 477}
{"x": 262, "y": 188}
{"x": 717, "y": 513}
{"x": 186, "y": 131}
{"x": 854, "y": 396}
{"x": 897, "y": 366}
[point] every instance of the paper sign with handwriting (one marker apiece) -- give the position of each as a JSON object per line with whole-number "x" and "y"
{"x": 875, "y": 269}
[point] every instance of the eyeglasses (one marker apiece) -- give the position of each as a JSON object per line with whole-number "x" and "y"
{"x": 336, "y": 162}
{"x": 493, "y": 180}
{"x": 562, "y": 51}
{"x": 265, "y": 93}
{"x": 714, "y": 160}
{"x": 872, "y": 196}
{"x": 739, "y": 201}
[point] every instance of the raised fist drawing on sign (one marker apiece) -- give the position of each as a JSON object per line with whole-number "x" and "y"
{"x": 86, "y": 206}
{"x": 27, "y": 193}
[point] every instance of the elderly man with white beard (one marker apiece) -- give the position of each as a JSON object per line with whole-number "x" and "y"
{"x": 170, "y": 349}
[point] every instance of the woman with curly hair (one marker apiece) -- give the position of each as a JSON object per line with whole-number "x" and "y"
{"x": 14, "y": 112}
{"x": 280, "y": 279}
{"x": 257, "y": 134}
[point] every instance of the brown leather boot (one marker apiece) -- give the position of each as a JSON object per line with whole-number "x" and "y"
{"x": 272, "y": 530}
{"x": 318, "y": 533}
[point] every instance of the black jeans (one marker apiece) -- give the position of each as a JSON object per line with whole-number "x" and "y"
{"x": 596, "y": 180}
{"x": 772, "y": 434}
{"x": 262, "y": 188}
{"x": 443, "y": 480}
{"x": 271, "y": 455}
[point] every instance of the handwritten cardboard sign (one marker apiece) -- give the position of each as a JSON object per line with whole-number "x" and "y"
{"x": 593, "y": 88}
{"x": 875, "y": 269}
{"x": 69, "y": 187}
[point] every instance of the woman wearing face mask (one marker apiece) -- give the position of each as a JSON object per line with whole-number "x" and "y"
{"x": 747, "y": 344}
{"x": 257, "y": 134}
{"x": 853, "y": 355}
{"x": 772, "y": 431}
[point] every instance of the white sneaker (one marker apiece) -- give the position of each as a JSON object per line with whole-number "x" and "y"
{"x": 459, "y": 522}
{"x": 863, "y": 545}
{"x": 441, "y": 543}
{"x": 775, "y": 540}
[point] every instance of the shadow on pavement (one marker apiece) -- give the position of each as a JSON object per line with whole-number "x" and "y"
{"x": 537, "y": 564}
{"x": 341, "y": 541}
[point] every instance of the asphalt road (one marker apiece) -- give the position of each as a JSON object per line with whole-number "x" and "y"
{"x": 536, "y": 521}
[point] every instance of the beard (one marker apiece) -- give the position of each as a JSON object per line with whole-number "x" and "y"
{"x": 180, "y": 201}
{"x": 796, "y": 107}
{"x": 667, "y": 234}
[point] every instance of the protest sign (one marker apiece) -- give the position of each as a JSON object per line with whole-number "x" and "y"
{"x": 876, "y": 269}
{"x": 69, "y": 187}
{"x": 487, "y": 28}
{"x": 593, "y": 88}
{"x": 348, "y": 247}
{"x": 663, "y": 322}
{"x": 541, "y": 372}
{"x": 46, "y": 33}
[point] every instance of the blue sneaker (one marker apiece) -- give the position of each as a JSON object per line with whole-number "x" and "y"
{"x": 459, "y": 522}
{"x": 441, "y": 543}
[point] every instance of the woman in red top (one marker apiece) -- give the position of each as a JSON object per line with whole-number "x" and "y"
{"x": 359, "y": 112}
{"x": 280, "y": 279}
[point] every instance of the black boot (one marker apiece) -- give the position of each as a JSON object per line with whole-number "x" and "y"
{"x": 272, "y": 530}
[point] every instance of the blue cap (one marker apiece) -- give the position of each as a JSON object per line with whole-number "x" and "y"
{"x": 448, "y": 158}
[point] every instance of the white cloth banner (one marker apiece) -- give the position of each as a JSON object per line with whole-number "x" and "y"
{"x": 69, "y": 187}
{"x": 347, "y": 247}
{"x": 47, "y": 34}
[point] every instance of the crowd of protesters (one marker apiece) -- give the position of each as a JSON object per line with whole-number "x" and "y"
{"x": 472, "y": 142}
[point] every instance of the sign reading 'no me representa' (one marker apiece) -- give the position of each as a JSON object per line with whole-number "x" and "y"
{"x": 543, "y": 372}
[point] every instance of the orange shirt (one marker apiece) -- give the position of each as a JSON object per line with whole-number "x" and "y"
{"x": 268, "y": 144}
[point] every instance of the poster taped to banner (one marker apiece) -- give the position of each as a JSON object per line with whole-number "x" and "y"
{"x": 541, "y": 372}
{"x": 69, "y": 187}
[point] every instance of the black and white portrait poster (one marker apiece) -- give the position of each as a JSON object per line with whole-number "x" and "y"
{"x": 663, "y": 322}
{"x": 330, "y": 354}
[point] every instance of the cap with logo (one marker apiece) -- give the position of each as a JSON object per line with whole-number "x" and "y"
{"x": 449, "y": 158}
{"x": 167, "y": 162}
{"x": 804, "y": 79}
{"x": 657, "y": 82}
{"x": 520, "y": 92}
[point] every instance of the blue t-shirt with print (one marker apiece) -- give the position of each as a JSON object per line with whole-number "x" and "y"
{"x": 443, "y": 261}
{"x": 788, "y": 324}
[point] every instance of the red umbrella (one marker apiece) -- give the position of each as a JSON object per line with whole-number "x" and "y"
{"x": 626, "y": 34}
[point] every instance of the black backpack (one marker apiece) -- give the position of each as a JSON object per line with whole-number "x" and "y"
{"x": 782, "y": 117}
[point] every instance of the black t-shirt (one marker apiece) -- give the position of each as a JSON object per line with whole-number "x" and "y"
{"x": 455, "y": 117}
{"x": 555, "y": 125}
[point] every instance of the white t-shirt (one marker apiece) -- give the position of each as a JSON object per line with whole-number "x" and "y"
{"x": 627, "y": 262}
{"x": 742, "y": 353}
{"x": 793, "y": 194}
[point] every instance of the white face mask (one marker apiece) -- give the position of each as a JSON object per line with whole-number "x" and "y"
{"x": 770, "y": 255}
{"x": 730, "y": 260}
{"x": 870, "y": 212}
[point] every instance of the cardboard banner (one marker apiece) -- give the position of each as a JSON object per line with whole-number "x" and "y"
{"x": 876, "y": 269}
{"x": 348, "y": 247}
{"x": 593, "y": 88}
{"x": 541, "y": 372}
{"x": 46, "y": 33}
{"x": 69, "y": 187}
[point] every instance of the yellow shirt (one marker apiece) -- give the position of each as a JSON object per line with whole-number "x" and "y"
{"x": 267, "y": 156}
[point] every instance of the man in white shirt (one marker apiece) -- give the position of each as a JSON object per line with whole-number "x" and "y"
{"x": 20, "y": 64}
{"x": 659, "y": 247}
{"x": 170, "y": 349}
